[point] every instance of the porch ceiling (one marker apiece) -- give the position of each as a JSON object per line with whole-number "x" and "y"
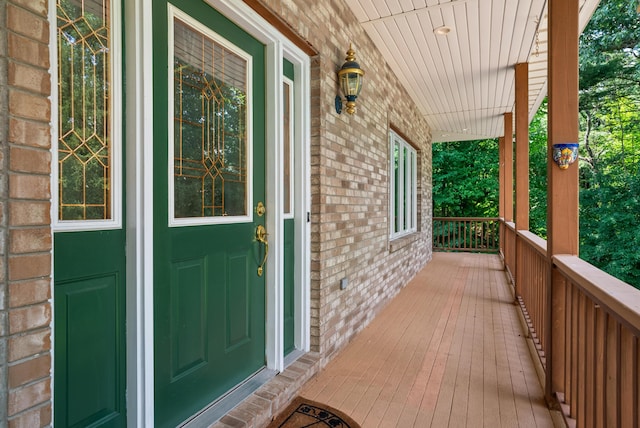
{"x": 463, "y": 81}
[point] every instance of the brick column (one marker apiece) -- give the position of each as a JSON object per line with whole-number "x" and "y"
{"x": 26, "y": 224}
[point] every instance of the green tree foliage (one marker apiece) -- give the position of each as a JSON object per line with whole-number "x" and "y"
{"x": 538, "y": 172}
{"x": 465, "y": 179}
{"x": 610, "y": 140}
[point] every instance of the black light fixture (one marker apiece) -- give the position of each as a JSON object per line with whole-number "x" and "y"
{"x": 350, "y": 80}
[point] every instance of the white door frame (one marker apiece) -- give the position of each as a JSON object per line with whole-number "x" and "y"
{"x": 139, "y": 207}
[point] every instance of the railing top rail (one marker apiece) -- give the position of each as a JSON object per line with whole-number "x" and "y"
{"x": 511, "y": 225}
{"x": 539, "y": 244}
{"x": 622, "y": 299}
{"x": 466, "y": 218}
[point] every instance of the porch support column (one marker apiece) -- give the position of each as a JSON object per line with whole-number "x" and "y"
{"x": 508, "y": 167}
{"x": 522, "y": 146}
{"x": 522, "y": 161}
{"x": 562, "y": 185}
{"x": 501, "y": 189}
{"x": 501, "y": 176}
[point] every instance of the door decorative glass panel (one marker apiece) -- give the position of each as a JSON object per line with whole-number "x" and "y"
{"x": 84, "y": 103}
{"x": 210, "y": 149}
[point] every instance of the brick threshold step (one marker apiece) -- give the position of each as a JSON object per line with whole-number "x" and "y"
{"x": 265, "y": 403}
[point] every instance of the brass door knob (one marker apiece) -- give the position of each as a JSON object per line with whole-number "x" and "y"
{"x": 261, "y": 236}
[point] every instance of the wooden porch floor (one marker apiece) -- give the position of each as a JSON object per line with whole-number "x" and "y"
{"x": 448, "y": 351}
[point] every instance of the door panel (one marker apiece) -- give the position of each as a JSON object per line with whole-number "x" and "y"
{"x": 89, "y": 301}
{"x": 209, "y": 301}
{"x": 188, "y": 316}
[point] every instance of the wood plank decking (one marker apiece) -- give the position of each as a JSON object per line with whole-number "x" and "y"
{"x": 448, "y": 351}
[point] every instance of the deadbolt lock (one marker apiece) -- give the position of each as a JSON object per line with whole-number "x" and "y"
{"x": 260, "y": 209}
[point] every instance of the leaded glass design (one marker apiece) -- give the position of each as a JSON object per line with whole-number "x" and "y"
{"x": 84, "y": 110}
{"x": 210, "y": 126}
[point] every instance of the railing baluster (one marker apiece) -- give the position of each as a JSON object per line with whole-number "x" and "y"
{"x": 600, "y": 373}
{"x": 581, "y": 380}
{"x": 627, "y": 373}
{"x": 612, "y": 373}
{"x": 572, "y": 358}
{"x": 590, "y": 371}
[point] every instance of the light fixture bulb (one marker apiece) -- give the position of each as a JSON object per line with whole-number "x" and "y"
{"x": 443, "y": 30}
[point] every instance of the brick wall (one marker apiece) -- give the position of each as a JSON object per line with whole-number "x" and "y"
{"x": 3, "y": 210}
{"x": 350, "y": 177}
{"x": 25, "y": 263}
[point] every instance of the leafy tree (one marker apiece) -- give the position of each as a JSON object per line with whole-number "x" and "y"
{"x": 610, "y": 150}
{"x": 465, "y": 180}
{"x": 538, "y": 172}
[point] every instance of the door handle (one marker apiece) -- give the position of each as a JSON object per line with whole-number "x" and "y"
{"x": 261, "y": 236}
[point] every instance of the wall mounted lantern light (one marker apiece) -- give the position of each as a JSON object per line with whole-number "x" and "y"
{"x": 565, "y": 154}
{"x": 350, "y": 80}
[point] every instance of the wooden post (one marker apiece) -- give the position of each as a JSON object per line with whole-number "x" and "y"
{"x": 508, "y": 166}
{"x": 501, "y": 189}
{"x": 522, "y": 163}
{"x": 508, "y": 191}
{"x": 562, "y": 185}
{"x": 522, "y": 146}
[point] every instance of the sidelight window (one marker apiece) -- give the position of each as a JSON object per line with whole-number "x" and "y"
{"x": 87, "y": 104}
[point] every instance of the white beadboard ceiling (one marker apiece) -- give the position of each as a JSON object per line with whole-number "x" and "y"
{"x": 463, "y": 82}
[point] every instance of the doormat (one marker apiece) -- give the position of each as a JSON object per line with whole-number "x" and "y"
{"x": 306, "y": 413}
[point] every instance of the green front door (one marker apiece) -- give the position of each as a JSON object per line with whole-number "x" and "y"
{"x": 209, "y": 136}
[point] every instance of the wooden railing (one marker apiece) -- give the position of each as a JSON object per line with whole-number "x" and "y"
{"x": 600, "y": 329}
{"x": 584, "y": 323}
{"x": 508, "y": 231}
{"x": 531, "y": 286}
{"x": 588, "y": 331}
{"x": 472, "y": 234}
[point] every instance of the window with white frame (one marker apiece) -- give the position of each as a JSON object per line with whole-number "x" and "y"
{"x": 404, "y": 187}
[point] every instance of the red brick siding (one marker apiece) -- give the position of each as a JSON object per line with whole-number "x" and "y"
{"x": 26, "y": 222}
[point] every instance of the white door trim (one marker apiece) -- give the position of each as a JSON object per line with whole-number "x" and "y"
{"x": 139, "y": 147}
{"x": 139, "y": 207}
